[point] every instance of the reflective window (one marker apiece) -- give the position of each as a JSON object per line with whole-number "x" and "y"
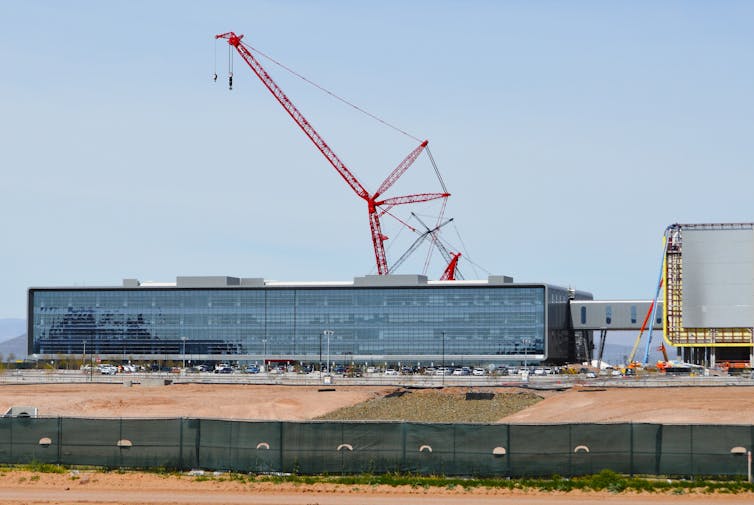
{"x": 289, "y": 322}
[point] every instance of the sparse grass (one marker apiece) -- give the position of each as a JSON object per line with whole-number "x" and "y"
{"x": 605, "y": 480}
{"x": 38, "y": 467}
{"x": 435, "y": 406}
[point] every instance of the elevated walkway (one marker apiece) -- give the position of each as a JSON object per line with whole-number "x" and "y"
{"x": 612, "y": 314}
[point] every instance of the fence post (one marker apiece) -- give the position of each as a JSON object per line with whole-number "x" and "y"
{"x": 570, "y": 450}
{"x": 60, "y": 441}
{"x": 631, "y": 450}
{"x": 198, "y": 443}
{"x": 691, "y": 450}
{"x": 181, "y": 466}
{"x": 509, "y": 453}
{"x": 403, "y": 445}
{"x": 282, "y": 462}
{"x": 120, "y": 437}
{"x": 658, "y": 448}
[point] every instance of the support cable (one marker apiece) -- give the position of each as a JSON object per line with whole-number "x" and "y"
{"x": 230, "y": 66}
{"x": 466, "y": 256}
{"x": 214, "y": 73}
{"x": 325, "y": 90}
{"x": 437, "y": 171}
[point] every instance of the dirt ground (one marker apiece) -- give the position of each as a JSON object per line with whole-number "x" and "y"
{"x": 693, "y": 405}
{"x": 734, "y": 405}
{"x": 729, "y": 405}
{"x": 97, "y": 488}
{"x": 184, "y": 400}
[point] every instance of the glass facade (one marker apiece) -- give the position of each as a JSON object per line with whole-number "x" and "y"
{"x": 367, "y": 323}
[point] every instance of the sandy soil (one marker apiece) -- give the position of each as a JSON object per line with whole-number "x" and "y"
{"x": 20, "y": 487}
{"x": 693, "y": 405}
{"x": 666, "y": 405}
{"x": 730, "y": 405}
{"x": 184, "y": 400}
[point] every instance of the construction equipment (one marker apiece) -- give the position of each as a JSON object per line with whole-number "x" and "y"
{"x": 377, "y": 205}
{"x": 651, "y": 316}
{"x": 419, "y": 240}
{"x": 451, "y": 270}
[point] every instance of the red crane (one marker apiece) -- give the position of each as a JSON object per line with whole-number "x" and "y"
{"x": 373, "y": 201}
{"x": 450, "y": 271}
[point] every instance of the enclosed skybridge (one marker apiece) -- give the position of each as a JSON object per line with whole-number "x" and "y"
{"x": 619, "y": 315}
{"x": 613, "y": 315}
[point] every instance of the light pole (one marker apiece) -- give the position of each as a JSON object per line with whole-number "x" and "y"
{"x": 525, "y": 342}
{"x": 328, "y": 333}
{"x": 443, "y": 358}
{"x": 264, "y": 355}
{"x": 183, "y": 352}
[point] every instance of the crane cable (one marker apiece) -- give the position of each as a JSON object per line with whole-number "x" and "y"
{"x": 230, "y": 66}
{"x": 323, "y": 89}
{"x": 214, "y": 74}
{"x": 474, "y": 265}
{"x": 437, "y": 170}
{"x": 350, "y": 104}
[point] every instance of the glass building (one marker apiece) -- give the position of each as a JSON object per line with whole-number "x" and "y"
{"x": 374, "y": 319}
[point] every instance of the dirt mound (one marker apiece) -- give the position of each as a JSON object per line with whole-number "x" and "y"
{"x": 694, "y": 405}
{"x": 453, "y": 405}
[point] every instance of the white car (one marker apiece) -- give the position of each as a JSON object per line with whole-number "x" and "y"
{"x": 108, "y": 370}
{"x": 390, "y": 371}
{"x": 478, "y": 372}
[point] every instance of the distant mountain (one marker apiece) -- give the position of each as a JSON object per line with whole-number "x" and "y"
{"x": 15, "y": 346}
{"x": 11, "y": 328}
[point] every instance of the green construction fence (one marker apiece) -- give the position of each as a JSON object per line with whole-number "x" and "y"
{"x": 483, "y": 450}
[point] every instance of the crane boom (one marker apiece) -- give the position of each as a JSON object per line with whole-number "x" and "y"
{"x": 378, "y": 238}
{"x": 235, "y": 41}
{"x": 450, "y": 271}
{"x": 416, "y": 245}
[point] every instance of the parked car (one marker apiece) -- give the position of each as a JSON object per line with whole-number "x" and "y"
{"x": 391, "y": 371}
{"x": 106, "y": 369}
{"x": 251, "y": 369}
{"x": 478, "y": 372}
{"x": 223, "y": 369}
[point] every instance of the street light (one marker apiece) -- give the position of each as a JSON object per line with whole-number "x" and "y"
{"x": 443, "y": 358}
{"x": 328, "y": 333}
{"x": 183, "y": 352}
{"x": 264, "y": 356}
{"x": 525, "y": 342}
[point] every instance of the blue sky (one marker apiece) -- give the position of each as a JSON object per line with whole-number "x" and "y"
{"x": 569, "y": 133}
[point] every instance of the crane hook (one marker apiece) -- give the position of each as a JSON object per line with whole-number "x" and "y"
{"x": 214, "y": 79}
{"x": 230, "y": 81}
